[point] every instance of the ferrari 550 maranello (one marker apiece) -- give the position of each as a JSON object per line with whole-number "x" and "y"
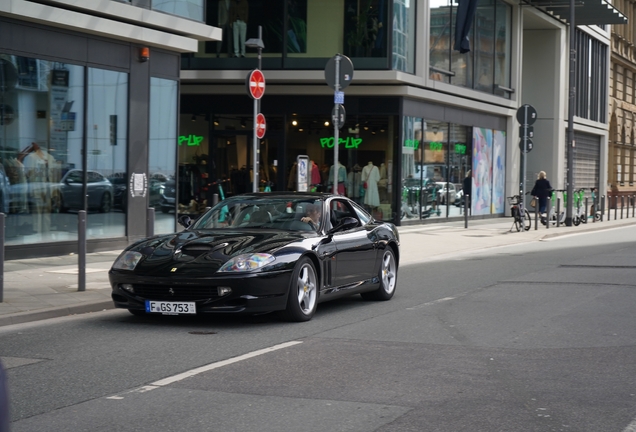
{"x": 258, "y": 253}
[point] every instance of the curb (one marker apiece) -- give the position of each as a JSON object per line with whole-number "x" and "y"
{"x": 54, "y": 312}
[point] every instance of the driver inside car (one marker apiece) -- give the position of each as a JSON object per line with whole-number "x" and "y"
{"x": 312, "y": 216}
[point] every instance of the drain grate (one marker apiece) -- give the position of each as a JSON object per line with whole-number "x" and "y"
{"x": 201, "y": 332}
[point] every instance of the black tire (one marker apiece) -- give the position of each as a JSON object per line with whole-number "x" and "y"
{"x": 105, "y": 204}
{"x": 388, "y": 278}
{"x": 302, "y": 298}
{"x": 576, "y": 220}
{"x": 527, "y": 222}
{"x": 137, "y": 312}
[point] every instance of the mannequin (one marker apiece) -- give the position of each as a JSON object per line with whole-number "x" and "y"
{"x": 371, "y": 175}
{"x": 342, "y": 178}
{"x": 239, "y": 10}
{"x": 224, "y": 25}
{"x": 354, "y": 183}
{"x": 315, "y": 175}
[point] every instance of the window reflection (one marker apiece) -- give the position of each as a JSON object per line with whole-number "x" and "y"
{"x": 192, "y": 9}
{"x": 487, "y": 66}
{"x": 106, "y": 140}
{"x": 301, "y": 34}
{"x": 41, "y": 107}
{"x": 162, "y": 152}
{"x": 437, "y": 161}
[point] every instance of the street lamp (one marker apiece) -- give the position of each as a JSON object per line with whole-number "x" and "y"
{"x": 258, "y": 44}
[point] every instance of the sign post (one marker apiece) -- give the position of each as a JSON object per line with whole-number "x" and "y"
{"x": 526, "y": 115}
{"x": 338, "y": 73}
{"x": 256, "y": 88}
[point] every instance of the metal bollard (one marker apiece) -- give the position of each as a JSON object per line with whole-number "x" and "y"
{"x": 615, "y": 206}
{"x": 150, "y": 222}
{"x": 215, "y": 199}
{"x": 622, "y": 205}
{"x": 602, "y": 207}
{"x": 466, "y": 199}
{"x": 547, "y": 213}
{"x": 1, "y": 257}
{"x": 558, "y": 213}
{"x": 81, "y": 250}
{"x": 633, "y": 206}
{"x": 536, "y": 216}
{"x": 585, "y": 211}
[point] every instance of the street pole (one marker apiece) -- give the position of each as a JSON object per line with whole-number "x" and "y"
{"x": 570, "y": 141}
{"x": 257, "y": 105}
{"x": 336, "y": 132}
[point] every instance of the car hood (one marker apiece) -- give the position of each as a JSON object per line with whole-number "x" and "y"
{"x": 204, "y": 252}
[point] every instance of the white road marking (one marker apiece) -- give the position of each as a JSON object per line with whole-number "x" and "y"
{"x": 216, "y": 365}
{"x": 196, "y": 371}
{"x": 431, "y": 303}
{"x": 631, "y": 427}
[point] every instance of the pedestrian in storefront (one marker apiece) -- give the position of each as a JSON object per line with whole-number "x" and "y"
{"x": 467, "y": 186}
{"x": 542, "y": 190}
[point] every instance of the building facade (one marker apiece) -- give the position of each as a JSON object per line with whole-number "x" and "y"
{"x": 120, "y": 106}
{"x": 622, "y": 109}
{"x": 424, "y": 113}
{"x": 89, "y": 108}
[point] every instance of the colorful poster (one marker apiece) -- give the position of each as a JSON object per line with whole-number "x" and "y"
{"x": 482, "y": 171}
{"x": 498, "y": 171}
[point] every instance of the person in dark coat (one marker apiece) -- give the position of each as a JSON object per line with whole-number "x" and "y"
{"x": 467, "y": 186}
{"x": 542, "y": 190}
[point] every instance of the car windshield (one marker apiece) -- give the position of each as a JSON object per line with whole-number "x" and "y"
{"x": 275, "y": 212}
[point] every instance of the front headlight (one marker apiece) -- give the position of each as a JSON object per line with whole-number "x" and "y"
{"x": 127, "y": 260}
{"x": 247, "y": 262}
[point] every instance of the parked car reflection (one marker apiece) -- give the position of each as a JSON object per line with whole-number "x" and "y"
{"x": 121, "y": 195}
{"x": 69, "y": 192}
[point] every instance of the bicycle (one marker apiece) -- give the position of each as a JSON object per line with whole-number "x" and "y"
{"x": 515, "y": 209}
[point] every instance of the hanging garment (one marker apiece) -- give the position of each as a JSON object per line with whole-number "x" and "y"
{"x": 371, "y": 175}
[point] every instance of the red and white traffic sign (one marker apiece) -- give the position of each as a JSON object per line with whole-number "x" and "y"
{"x": 261, "y": 126}
{"x": 256, "y": 84}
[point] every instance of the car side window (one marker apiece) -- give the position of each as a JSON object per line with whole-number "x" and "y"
{"x": 362, "y": 214}
{"x": 340, "y": 209}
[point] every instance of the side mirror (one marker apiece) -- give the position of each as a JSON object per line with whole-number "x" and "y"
{"x": 346, "y": 223}
{"x": 185, "y": 221}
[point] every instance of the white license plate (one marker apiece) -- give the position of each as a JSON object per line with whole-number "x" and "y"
{"x": 170, "y": 308}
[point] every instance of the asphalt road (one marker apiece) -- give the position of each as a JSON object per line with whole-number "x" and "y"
{"x": 534, "y": 337}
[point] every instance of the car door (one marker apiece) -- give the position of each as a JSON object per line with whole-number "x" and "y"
{"x": 356, "y": 251}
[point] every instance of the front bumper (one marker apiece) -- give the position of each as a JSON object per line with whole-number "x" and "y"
{"x": 251, "y": 293}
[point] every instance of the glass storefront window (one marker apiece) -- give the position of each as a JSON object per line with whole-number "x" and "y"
{"x": 404, "y": 35}
{"x": 365, "y": 157}
{"x": 41, "y": 118}
{"x": 162, "y": 153}
{"x": 484, "y": 46}
{"x": 302, "y": 34}
{"x": 106, "y": 140}
{"x": 440, "y": 40}
{"x": 437, "y": 169}
{"x": 192, "y": 9}
{"x": 486, "y": 67}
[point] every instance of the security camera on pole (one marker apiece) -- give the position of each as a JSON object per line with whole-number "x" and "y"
{"x": 338, "y": 73}
{"x": 526, "y": 115}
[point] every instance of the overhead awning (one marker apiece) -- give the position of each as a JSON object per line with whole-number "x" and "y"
{"x": 586, "y": 12}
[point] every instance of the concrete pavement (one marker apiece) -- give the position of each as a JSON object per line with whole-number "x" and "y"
{"x": 42, "y": 288}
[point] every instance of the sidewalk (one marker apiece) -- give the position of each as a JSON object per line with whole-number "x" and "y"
{"x": 41, "y": 288}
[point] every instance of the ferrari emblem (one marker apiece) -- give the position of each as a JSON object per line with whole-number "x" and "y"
{"x": 171, "y": 291}
{"x": 174, "y": 269}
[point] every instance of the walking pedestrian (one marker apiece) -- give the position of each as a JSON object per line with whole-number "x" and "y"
{"x": 542, "y": 190}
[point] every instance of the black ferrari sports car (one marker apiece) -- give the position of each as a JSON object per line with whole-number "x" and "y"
{"x": 261, "y": 252}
